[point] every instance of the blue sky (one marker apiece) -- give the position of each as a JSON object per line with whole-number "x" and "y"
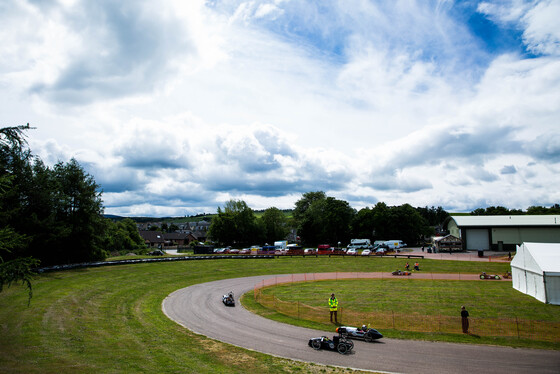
{"x": 176, "y": 107}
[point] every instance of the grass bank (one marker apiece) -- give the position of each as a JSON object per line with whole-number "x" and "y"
{"x": 109, "y": 319}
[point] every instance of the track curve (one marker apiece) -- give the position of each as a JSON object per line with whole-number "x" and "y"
{"x": 200, "y": 309}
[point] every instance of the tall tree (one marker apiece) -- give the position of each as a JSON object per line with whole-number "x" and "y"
{"x": 12, "y": 268}
{"x": 303, "y": 204}
{"x": 274, "y": 225}
{"x": 58, "y": 209}
{"x": 234, "y": 225}
{"x": 323, "y": 219}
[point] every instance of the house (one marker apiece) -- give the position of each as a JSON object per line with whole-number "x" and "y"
{"x": 503, "y": 233}
{"x": 177, "y": 239}
{"x": 153, "y": 239}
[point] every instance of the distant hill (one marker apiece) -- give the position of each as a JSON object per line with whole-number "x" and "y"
{"x": 195, "y": 218}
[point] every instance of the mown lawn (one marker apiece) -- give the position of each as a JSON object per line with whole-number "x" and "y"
{"x": 109, "y": 319}
{"x": 484, "y": 299}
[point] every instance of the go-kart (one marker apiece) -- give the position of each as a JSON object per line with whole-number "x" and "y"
{"x": 483, "y": 275}
{"x": 228, "y": 299}
{"x": 338, "y": 343}
{"x": 507, "y": 275}
{"x": 364, "y": 332}
{"x": 399, "y": 272}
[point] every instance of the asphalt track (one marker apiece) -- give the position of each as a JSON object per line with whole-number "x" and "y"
{"x": 200, "y": 309}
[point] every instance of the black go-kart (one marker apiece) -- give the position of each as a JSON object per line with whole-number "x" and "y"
{"x": 338, "y": 343}
{"x": 228, "y": 299}
{"x": 364, "y": 332}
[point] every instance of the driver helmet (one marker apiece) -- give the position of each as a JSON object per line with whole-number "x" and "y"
{"x": 364, "y": 328}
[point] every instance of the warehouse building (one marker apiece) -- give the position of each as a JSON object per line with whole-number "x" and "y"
{"x": 503, "y": 233}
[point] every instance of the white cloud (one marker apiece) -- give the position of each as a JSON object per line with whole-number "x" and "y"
{"x": 542, "y": 33}
{"x": 178, "y": 106}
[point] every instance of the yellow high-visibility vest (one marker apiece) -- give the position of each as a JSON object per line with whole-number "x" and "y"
{"x": 333, "y": 304}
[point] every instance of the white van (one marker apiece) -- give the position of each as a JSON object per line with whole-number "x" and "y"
{"x": 394, "y": 244}
{"x": 360, "y": 244}
{"x": 281, "y": 244}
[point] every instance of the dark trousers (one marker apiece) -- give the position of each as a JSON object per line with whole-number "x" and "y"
{"x": 333, "y": 312}
{"x": 465, "y": 324}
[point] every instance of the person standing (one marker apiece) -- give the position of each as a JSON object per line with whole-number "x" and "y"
{"x": 465, "y": 320}
{"x": 333, "y": 308}
{"x": 407, "y": 266}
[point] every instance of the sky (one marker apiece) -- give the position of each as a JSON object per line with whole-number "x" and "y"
{"x": 175, "y": 107}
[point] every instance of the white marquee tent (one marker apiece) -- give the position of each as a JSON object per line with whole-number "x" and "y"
{"x": 535, "y": 271}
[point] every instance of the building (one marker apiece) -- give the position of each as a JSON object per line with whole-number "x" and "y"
{"x": 503, "y": 233}
{"x": 448, "y": 243}
{"x": 535, "y": 271}
{"x": 153, "y": 239}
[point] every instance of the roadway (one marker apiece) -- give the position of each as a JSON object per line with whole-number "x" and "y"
{"x": 199, "y": 308}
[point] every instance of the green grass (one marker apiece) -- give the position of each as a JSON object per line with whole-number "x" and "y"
{"x": 109, "y": 319}
{"x": 488, "y": 299}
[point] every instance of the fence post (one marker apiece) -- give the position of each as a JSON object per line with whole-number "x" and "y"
{"x": 517, "y": 325}
{"x": 393, "y": 313}
{"x": 340, "y": 315}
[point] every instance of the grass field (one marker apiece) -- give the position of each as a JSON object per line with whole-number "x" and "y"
{"x": 421, "y": 308}
{"x": 109, "y": 319}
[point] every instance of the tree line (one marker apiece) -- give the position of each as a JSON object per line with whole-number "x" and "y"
{"x": 51, "y": 215}
{"x": 321, "y": 219}
{"x": 503, "y": 211}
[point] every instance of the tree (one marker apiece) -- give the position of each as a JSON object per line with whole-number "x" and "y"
{"x": 274, "y": 225}
{"x": 78, "y": 209}
{"x": 59, "y": 209}
{"x": 496, "y": 211}
{"x": 385, "y": 223}
{"x": 323, "y": 219}
{"x": 541, "y": 210}
{"x": 363, "y": 225}
{"x": 434, "y": 216}
{"x": 123, "y": 236}
{"x": 234, "y": 225}
{"x": 303, "y": 204}
{"x": 16, "y": 269}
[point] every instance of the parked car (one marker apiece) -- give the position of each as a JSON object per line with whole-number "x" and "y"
{"x": 157, "y": 252}
{"x": 352, "y": 252}
{"x": 381, "y": 251}
{"x": 233, "y": 251}
{"x": 244, "y": 251}
{"x": 366, "y": 252}
{"x": 309, "y": 251}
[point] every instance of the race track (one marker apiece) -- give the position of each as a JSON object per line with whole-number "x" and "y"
{"x": 200, "y": 309}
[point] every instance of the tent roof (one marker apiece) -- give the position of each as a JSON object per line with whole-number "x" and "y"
{"x": 521, "y": 220}
{"x": 540, "y": 257}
